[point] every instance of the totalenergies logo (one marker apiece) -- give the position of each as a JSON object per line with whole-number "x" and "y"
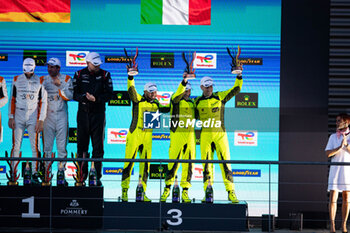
{"x": 206, "y": 59}
{"x": 164, "y": 97}
{"x": 78, "y": 57}
{"x": 119, "y": 134}
{"x": 246, "y": 136}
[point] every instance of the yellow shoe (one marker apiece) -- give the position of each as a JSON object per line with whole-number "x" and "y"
{"x": 165, "y": 195}
{"x": 184, "y": 196}
{"x": 146, "y": 199}
{"x": 125, "y": 195}
{"x": 232, "y": 197}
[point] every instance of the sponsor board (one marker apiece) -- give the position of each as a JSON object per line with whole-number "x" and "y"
{"x": 76, "y": 58}
{"x": 120, "y": 98}
{"x": 3, "y": 57}
{"x": 117, "y": 135}
{"x": 158, "y": 171}
{"x": 162, "y": 60}
{"x": 74, "y": 209}
{"x": 2, "y": 169}
{"x": 117, "y": 59}
{"x": 251, "y": 61}
{"x": 246, "y": 172}
{"x": 246, "y": 138}
{"x": 114, "y": 171}
{"x": 164, "y": 97}
{"x": 39, "y": 56}
{"x": 246, "y": 100}
{"x": 205, "y": 61}
{"x": 161, "y": 136}
{"x": 72, "y": 135}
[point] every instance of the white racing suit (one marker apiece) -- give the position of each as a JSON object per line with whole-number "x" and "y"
{"x": 56, "y": 122}
{"x": 3, "y": 101}
{"x": 28, "y": 105}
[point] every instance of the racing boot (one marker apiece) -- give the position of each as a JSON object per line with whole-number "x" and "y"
{"x": 232, "y": 196}
{"x": 184, "y": 196}
{"x": 125, "y": 195}
{"x": 165, "y": 195}
{"x": 146, "y": 199}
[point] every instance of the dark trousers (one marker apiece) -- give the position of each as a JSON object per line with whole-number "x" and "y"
{"x": 91, "y": 125}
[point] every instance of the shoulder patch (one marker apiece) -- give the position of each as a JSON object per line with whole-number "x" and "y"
{"x": 67, "y": 78}
{"x": 15, "y": 78}
{"x": 42, "y": 79}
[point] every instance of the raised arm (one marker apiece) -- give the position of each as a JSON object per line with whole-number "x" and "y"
{"x": 228, "y": 94}
{"x": 176, "y": 97}
{"x": 134, "y": 96}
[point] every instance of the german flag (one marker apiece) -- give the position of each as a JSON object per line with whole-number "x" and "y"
{"x": 44, "y": 11}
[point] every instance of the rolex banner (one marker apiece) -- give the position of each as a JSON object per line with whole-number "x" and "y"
{"x": 176, "y": 12}
{"x": 48, "y": 11}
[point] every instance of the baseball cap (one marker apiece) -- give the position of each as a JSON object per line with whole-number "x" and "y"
{"x": 54, "y": 61}
{"x": 207, "y": 81}
{"x": 188, "y": 86}
{"x": 28, "y": 65}
{"x": 94, "y": 58}
{"x": 150, "y": 87}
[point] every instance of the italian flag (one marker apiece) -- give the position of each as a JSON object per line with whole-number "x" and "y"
{"x": 176, "y": 12}
{"x": 50, "y": 11}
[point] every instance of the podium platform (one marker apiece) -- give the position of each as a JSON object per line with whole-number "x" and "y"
{"x": 51, "y": 207}
{"x": 26, "y": 207}
{"x": 175, "y": 216}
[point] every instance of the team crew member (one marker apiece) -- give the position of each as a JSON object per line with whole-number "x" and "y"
{"x": 182, "y": 140}
{"x": 3, "y": 100}
{"x": 27, "y": 110}
{"x": 92, "y": 89}
{"x": 212, "y": 106}
{"x": 59, "y": 89}
{"x": 139, "y": 139}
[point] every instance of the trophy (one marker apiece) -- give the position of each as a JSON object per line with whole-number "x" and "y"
{"x": 189, "y": 66}
{"x": 132, "y": 67}
{"x": 79, "y": 177}
{"x": 236, "y": 65}
{"x": 47, "y": 176}
{"x": 12, "y": 176}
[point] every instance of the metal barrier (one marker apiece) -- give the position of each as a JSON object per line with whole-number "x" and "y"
{"x": 165, "y": 215}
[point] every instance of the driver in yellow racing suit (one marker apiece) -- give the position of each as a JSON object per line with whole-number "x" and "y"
{"x": 182, "y": 140}
{"x": 139, "y": 138}
{"x": 211, "y": 106}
